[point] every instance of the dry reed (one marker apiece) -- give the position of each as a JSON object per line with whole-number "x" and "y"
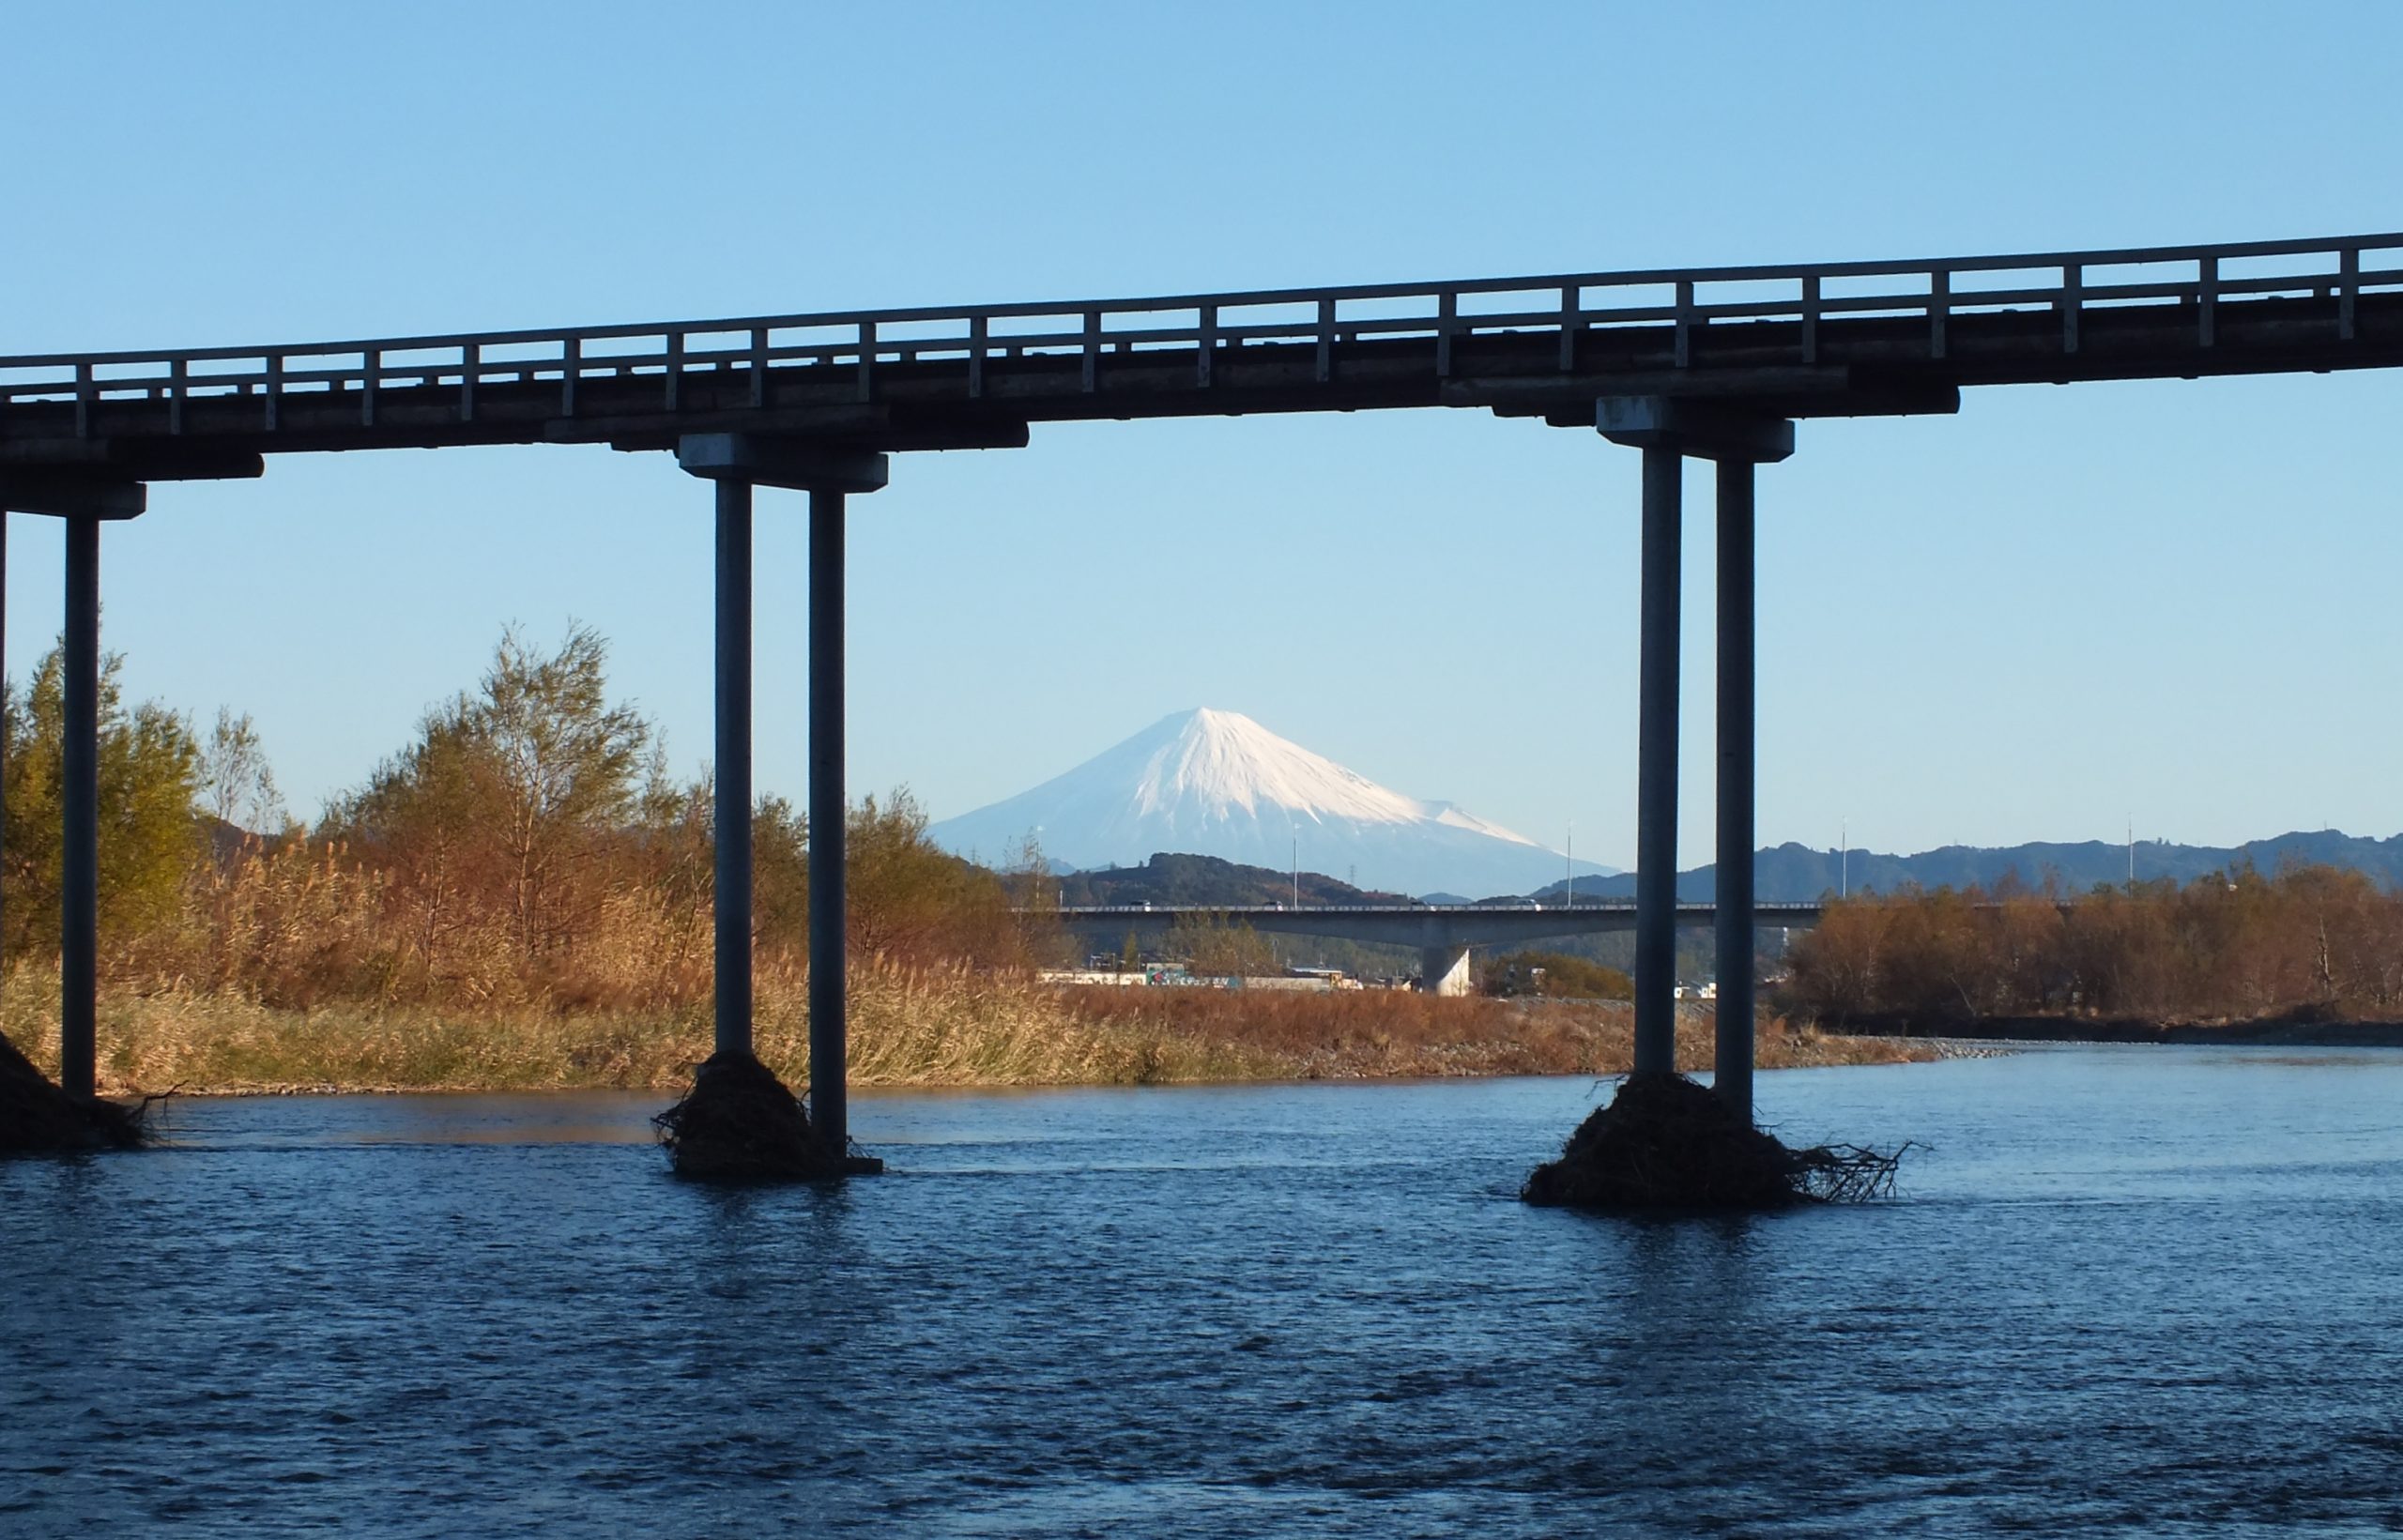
{"x": 908, "y": 1027}
{"x": 1383, "y": 1033}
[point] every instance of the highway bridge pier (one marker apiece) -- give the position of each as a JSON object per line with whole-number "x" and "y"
{"x": 1443, "y": 968}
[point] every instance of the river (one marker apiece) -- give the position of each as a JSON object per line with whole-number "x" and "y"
{"x": 2142, "y": 1290}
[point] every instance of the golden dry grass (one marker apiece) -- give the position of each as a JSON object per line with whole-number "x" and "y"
{"x": 1382, "y": 1034}
{"x": 908, "y": 1027}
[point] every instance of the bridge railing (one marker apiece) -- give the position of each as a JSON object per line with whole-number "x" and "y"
{"x": 1206, "y": 328}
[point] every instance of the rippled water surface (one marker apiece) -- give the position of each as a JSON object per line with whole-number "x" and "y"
{"x": 2145, "y": 1290}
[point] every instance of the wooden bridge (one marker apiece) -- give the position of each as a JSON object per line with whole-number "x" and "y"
{"x": 1709, "y": 363}
{"x": 1831, "y": 339}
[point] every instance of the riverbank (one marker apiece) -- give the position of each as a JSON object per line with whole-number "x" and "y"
{"x": 908, "y": 1027}
{"x": 2290, "y": 1030}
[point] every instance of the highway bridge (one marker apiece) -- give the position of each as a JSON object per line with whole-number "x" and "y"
{"x": 1443, "y": 932}
{"x": 1711, "y": 362}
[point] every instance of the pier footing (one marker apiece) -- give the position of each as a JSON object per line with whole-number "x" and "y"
{"x": 740, "y": 1124}
{"x": 1668, "y": 1144}
{"x": 40, "y": 1118}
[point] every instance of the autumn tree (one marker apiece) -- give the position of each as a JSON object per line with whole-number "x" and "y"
{"x": 236, "y": 784}
{"x": 510, "y": 801}
{"x": 780, "y": 877}
{"x": 1211, "y": 942}
{"x": 2314, "y": 940}
{"x": 909, "y": 898}
{"x": 1556, "y": 975}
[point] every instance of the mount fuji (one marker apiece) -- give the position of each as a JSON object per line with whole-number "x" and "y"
{"x": 1218, "y": 784}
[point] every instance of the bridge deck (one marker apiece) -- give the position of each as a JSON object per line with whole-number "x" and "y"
{"x": 1830, "y": 338}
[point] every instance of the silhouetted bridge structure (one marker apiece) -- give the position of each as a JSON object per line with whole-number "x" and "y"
{"x": 1443, "y": 932}
{"x": 1711, "y": 362}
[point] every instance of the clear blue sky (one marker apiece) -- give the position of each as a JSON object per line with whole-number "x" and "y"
{"x": 2062, "y": 607}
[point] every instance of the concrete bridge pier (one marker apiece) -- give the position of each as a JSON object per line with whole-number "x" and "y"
{"x": 1732, "y": 1050}
{"x": 1656, "y": 773}
{"x": 1669, "y": 429}
{"x": 79, "y": 932}
{"x": 84, "y": 504}
{"x": 1443, "y": 968}
{"x": 737, "y": 463}
{"x": 732, "y": 888}
{"x": 828, "y": 982}
{"x": 86, "y": 496}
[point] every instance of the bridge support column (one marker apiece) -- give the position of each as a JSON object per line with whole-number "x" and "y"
{"x": 1656, "y": 773}
{"x": 828, "y": 997}
{"x": 83, "y": 503}
{"x": 1732, "y": 1063}
{"x": 732, "y": 806}
{"x": 80, "y": 859}
{"x": 1443, "y": 969}
{"x": 3, "y": 633}
{"x": 1667, "y": 430}
{"x": 737, "y": 463}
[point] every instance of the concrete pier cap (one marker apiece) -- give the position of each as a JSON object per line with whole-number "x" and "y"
{"x": 1705, "y": 429}
{"x": 70, "y": 497}
{"x": 793, "y": 464}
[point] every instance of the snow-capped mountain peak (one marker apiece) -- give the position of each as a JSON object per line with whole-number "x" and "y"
{"x": 1216, "y": 782}
{"x": 1219, "y": 762}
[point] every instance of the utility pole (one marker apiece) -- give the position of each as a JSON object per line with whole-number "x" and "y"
{"x": 1297, "y": 871}
{"x": 1843, "y": 858}
{"x": 1571, "y": 863}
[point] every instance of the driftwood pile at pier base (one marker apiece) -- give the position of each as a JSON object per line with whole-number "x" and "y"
{"x": 740, "y": 1125}
{"x": 1665, "y": 1142}
{"x": 39, "y": 1118}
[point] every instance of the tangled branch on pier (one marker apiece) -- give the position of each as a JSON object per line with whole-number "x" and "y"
{"x": 1666, "y": 1142}
{"x": 37, "y": 1117}
{"x": 1849, "y": 1173}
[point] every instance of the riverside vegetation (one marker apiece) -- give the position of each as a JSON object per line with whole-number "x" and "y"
{"x": 2221, "y": 955}
{"x": 519, "y": 899}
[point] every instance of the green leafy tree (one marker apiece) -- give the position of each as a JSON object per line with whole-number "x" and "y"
{"x": 148, "y": 775}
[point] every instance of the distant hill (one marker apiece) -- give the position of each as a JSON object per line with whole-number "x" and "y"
{"x": 1167, "y": 879}
{"x": 1798, "y": 874}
